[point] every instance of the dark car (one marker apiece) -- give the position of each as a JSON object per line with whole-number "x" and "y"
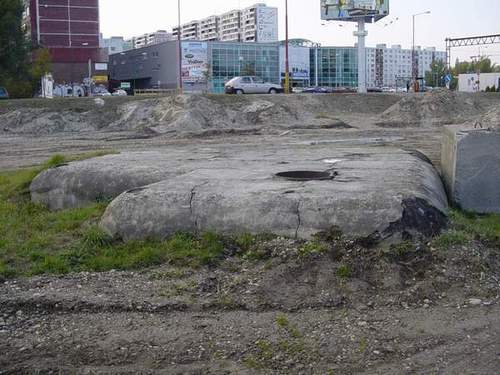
{"x": 3, "y": 93}
{"x": 317, "y": 90}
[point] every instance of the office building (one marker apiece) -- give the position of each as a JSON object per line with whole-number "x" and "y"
{"x": 207, "y": 66}
{"x": 258, "y": 23}
{"x": 69, "y": 29}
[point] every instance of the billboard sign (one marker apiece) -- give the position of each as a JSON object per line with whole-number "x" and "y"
{"x": 354, "y": 10}
{"x": 194, "y": 62}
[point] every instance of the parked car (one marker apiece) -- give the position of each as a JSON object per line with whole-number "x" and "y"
{"x": 317, "y": 90}
{"x": 119, "y": 92}
{"x": 3, "y": 93}
{"x": 251, "y": 85}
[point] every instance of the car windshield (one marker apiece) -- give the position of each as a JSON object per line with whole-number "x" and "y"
{"x": 2, "y": 91}
{"x": 231, "y": 81}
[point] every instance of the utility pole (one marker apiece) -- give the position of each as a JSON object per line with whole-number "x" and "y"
{"x": 180, "y": 44}
{"x": 414, "y": 62}
{"x": 287, "y": 66}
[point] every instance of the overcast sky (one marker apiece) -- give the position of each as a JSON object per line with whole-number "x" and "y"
{"x": 449, "y": 18}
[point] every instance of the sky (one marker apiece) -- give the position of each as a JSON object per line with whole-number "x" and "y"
{"x": 448, "y": 18}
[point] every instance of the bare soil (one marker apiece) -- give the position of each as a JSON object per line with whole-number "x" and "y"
{"x": 419, "y": 311}
{"x": 352, "y": 310}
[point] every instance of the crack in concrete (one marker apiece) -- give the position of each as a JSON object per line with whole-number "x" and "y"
{"x": 299, "y": 220}
{"x": 191, "y": 201}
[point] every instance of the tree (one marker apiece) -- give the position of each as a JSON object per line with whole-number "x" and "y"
{"x": 42, "y": 61}
{"x": 14, "y": 52}
{"x": 435, "y": 76}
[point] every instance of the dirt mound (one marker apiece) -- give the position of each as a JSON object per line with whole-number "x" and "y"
{"x": 191, "y": 114}
{"x": 492, "y": 117}
{"x": 436, "y": 108}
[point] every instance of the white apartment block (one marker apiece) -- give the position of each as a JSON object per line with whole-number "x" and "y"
{"x": 149, "y": 39}
{"x": 388, "y": 67}
{"x": 258, "y": 23}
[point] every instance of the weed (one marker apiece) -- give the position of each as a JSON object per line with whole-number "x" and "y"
{"x": 344, "y": 271}
{"x": 482, "y": 227}
{"x": 451, "y": 238}
{"x": 313, "y": 248}
{"x": 55, "y": 161}
{"x": 94, "y": 237}
{"x": 282, "y": 321}
{"x": 245, "y": 241}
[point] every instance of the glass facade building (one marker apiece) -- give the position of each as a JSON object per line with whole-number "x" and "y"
{"x": 334, "y": 67}
{"x": 229, "y": 60}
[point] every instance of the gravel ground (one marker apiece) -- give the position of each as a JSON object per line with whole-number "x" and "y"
{"x": 427, "y": 311}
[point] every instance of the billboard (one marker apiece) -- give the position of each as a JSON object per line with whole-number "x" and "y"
{"x": 267, "y": 24}
{"x": 194, "y": 62}
{"x": 354, "y": 10}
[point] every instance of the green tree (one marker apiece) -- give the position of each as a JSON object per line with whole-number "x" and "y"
{"x": 434, "y": 77}
{"x": 41, "y": 65}
{"x": 14, "y": 52}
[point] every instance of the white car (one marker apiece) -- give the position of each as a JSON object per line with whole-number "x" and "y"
{"x": 251, "y": 85}
{"x": 119, "y": 92}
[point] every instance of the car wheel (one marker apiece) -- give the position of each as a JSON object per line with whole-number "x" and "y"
{"x": 239, "y": 92}
{"x": 273, "y": 91}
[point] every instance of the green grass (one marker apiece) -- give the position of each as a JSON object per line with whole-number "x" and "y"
{"x": 344, "y": 271}
{"x": 312, "y": 248}
{"x": 466, "y": 227}
{"x": 34, "y": 240}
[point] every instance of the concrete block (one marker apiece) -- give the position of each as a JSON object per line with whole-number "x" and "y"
{"x": 470, "y": 160}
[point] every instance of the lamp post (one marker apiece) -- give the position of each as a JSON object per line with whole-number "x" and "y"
{"x": 287, "y": 66}
{"x": 414, "y": 53}
{"x": 180, "y": 44}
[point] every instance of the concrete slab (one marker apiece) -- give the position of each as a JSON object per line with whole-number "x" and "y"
{"x": 376, "y": 192}
{"x": 471, "y": 167}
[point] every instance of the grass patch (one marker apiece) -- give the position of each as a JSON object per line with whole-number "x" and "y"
{"x": 466, "y": 227}
{"x": 313, "y": 248}
{"x": 34, "y": 240}
{"x": 344, "y": 271}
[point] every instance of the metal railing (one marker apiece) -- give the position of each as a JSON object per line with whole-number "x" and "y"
{"x": 156, "y": 92}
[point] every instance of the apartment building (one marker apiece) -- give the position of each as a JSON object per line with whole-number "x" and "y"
{"x": 257, "y": 23}
{"x": 391, "y": 66}
{"x": 149, "y": 39}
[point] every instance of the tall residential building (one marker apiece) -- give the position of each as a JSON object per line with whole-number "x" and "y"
{"x": 258, "y": 23}
{"x": 149, "y": 39}
{"x": 393, "y": 66}
{"x": 69, "y": 29}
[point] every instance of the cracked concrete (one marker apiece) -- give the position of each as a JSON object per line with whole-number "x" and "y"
{"x": 232, "y": 189}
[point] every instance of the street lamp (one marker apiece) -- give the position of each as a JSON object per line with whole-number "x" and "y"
{"x": 413, "y": 52}
{"x": 85, "y": 44}
{"x": 287, "y": 66}
{"x": 179, "y": 42}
